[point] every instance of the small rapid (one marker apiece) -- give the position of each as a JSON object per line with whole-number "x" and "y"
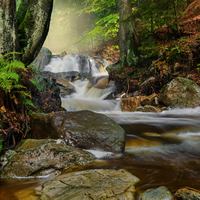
{"x": 89, "y": 93}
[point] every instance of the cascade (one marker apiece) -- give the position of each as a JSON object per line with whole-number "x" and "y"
{"x": 91, "y": 92}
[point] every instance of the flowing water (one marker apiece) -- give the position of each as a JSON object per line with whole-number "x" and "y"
{"x": 161, "y": 148}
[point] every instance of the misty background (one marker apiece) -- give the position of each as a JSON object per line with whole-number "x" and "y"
{"x": 68, "y": 27}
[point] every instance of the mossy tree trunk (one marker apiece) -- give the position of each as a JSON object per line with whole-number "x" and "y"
{"x": 24, "y": 28}
{"x": 33, "y": 18}
{"x": 128, "y": 40}
{"x": 8, "y": 29}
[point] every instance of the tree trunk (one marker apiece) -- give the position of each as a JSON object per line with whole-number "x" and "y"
{"x": 8, "y": 28}
{"x": 33, "y": 17}
{"x": 128, "y": 40}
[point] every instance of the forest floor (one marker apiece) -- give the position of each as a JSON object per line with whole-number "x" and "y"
{"x": 179, "y": 55}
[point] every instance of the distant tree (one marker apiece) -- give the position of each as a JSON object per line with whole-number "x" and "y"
{"x": 128, "y": 39}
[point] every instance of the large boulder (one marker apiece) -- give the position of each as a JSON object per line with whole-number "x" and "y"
{"x": 91, "y": 184}
{"x": 43, "y": 158}
{"x": 156, "y": 194}
{"x": 83, "y": 129}
{"x": 42, "y": 59}
{"x": 180, "y": 92}
{"x": 187, "y": 194}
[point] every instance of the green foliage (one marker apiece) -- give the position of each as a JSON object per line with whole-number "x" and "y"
{"x": 41, "y": 86}
{"x": 10, "y": 74}
{"x": 106, "y": 19}
{"x": 155, "y": 14}
{"x": 175, "y": 53}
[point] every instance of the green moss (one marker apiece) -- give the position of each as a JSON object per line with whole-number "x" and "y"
{"x": 22, "y": 6}
{"x": 27, "y": 23}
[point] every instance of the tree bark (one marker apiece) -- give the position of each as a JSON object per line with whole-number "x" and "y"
{"x": 8, "y": 28}
{"x": 128, "y": 40}
{"x": 33, "y": 24}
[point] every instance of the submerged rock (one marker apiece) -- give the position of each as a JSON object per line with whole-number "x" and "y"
{"x": 83, "y": 129}
{"x": 43, "y": 158}
{"x": 91, "y": 184}
{"x": 180, "y": 92}
{"x": 186, "y": 194}
{"x": 161, "y": 193}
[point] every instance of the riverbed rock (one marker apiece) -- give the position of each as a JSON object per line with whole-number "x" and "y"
{"x": 186, "y": 194}
{"x": 42, "y": 59}
{"x": 161, "y": 193}
{"x": 44, "y": 159}
{"x": 91, "y": 184}
{"x": 180, "y": 92}
{"x": 83, "y": 129}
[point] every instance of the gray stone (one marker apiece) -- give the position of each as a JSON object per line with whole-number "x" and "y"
{"x": 43, "y": 159}
{"x": 83, "y": 129}
{"x": 91, "y": 184}
{"x": 42, "y": 59}
{"x": 180, "y": 92}
{"x": 161, "y": 193}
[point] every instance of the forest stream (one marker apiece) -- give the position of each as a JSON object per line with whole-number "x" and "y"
{"x": 162, "y": 149}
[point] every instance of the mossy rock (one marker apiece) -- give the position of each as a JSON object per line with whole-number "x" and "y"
{"x": 180, "y": 92}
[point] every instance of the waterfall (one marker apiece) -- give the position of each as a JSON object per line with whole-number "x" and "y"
{"x": 91, "y": 92}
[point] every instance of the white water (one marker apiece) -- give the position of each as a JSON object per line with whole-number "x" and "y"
{"x": 78, "y": 63}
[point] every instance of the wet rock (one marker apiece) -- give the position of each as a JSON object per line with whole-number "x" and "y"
{"x": 42, "y": 59}
{"x": 4, "y": 159}
{"x": 50, "y": 75}
{"x": 91, "y": 184}
{"x": 130, "y": 104}
{"x": 31, "y": 144}
{"x": 161, "y": 193}
{"x": 148, "y": 108}
{"x": 186, "y": 194}
{"x": 180, "y": 92}
{"x": 48, "y": 159}
{"x": 83, "y": 129}
{"x": 65, "y": 87}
